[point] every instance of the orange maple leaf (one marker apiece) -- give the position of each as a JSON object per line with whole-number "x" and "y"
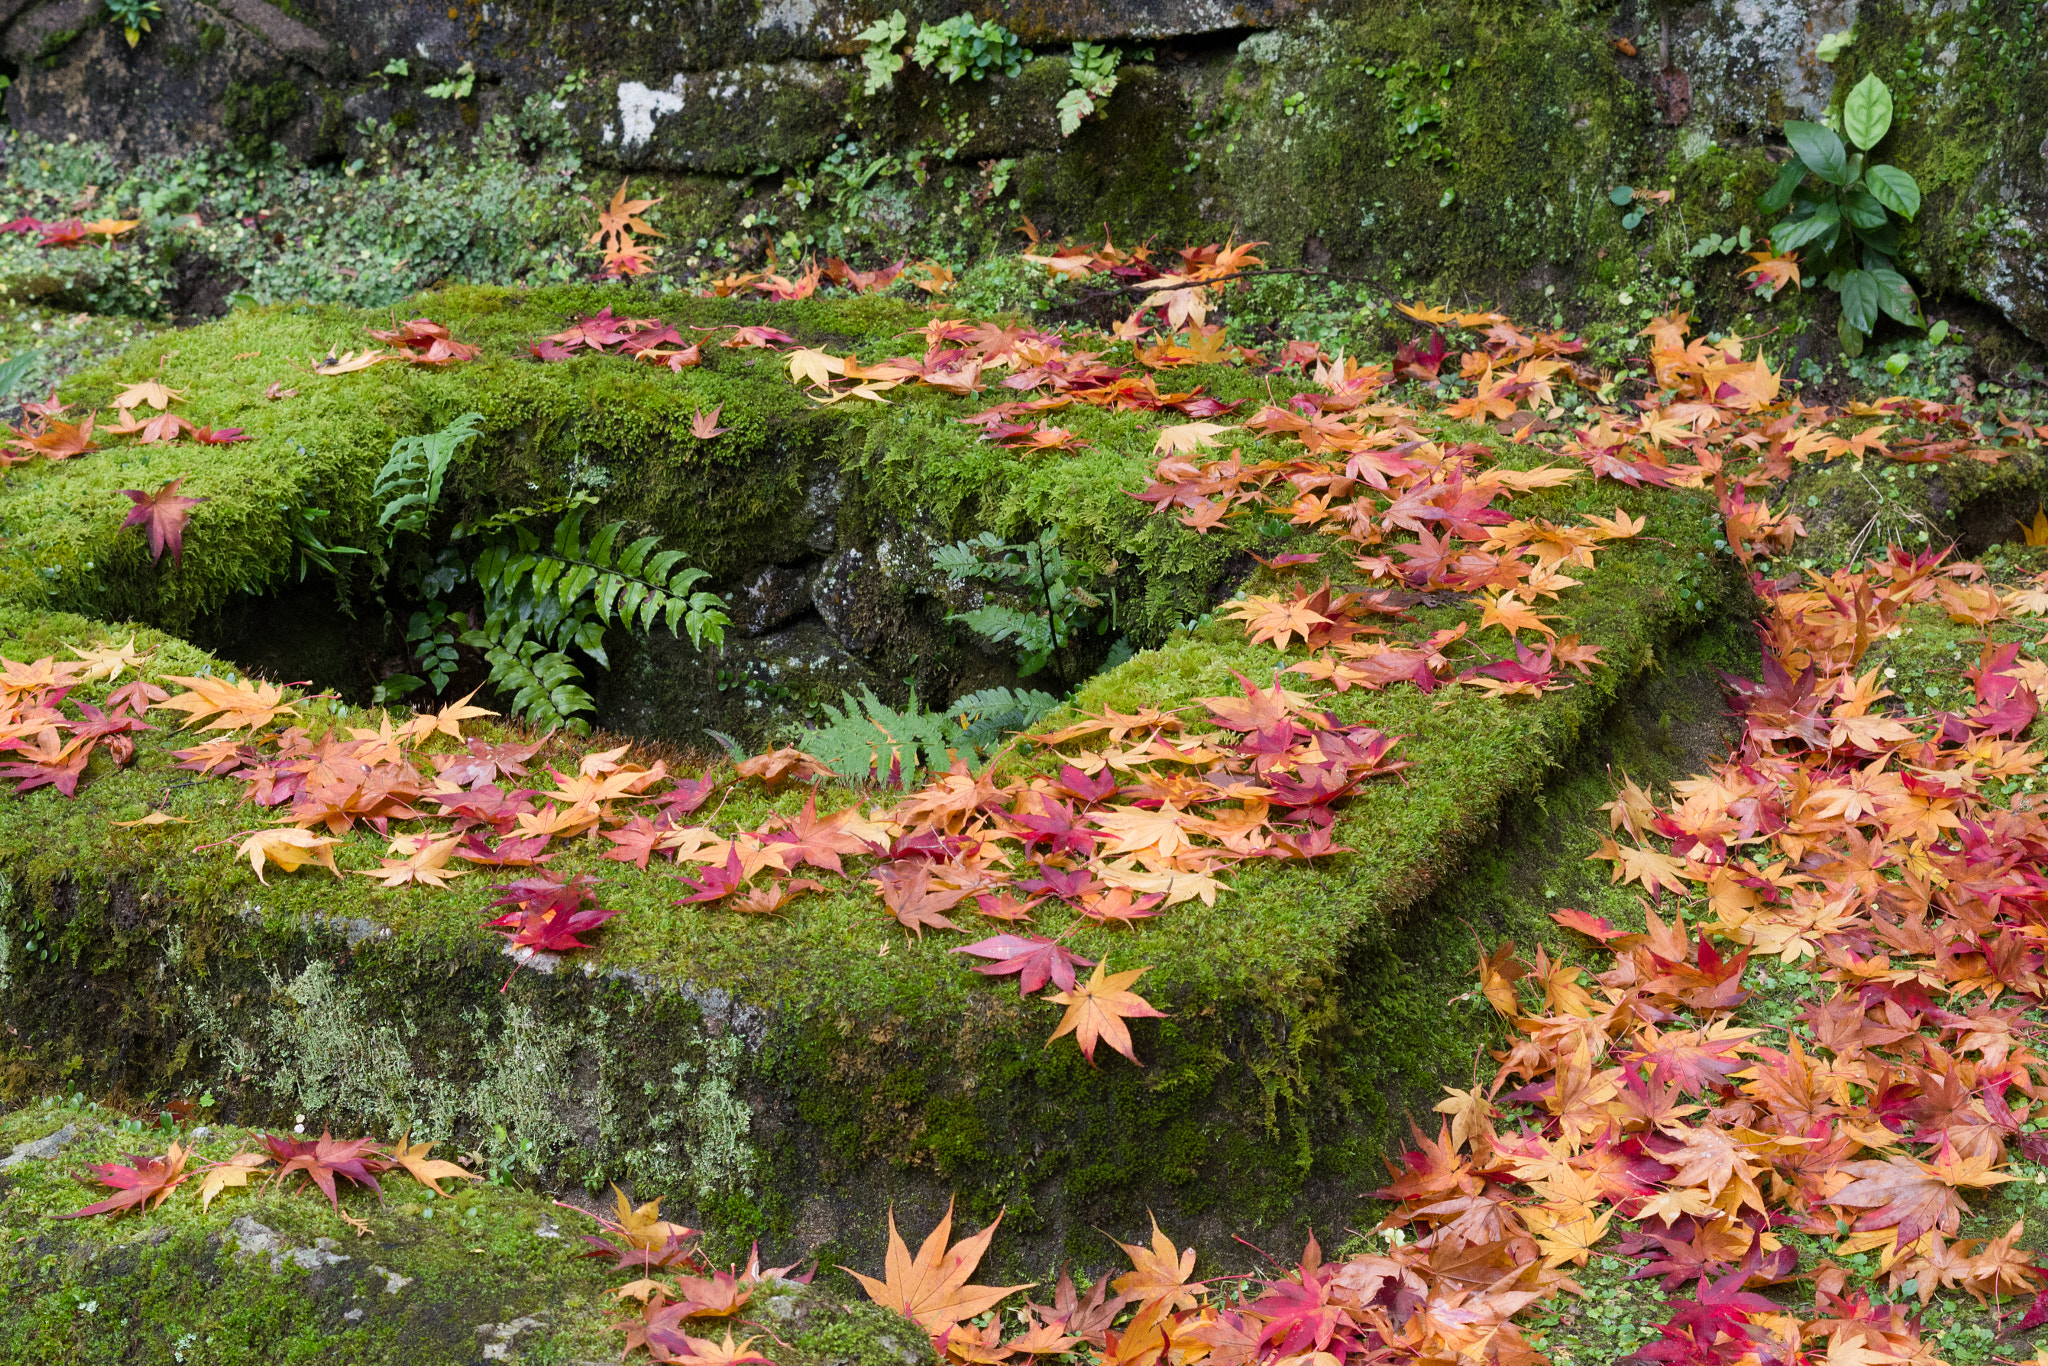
{"x": 1097, "y": 1009}
{"x": 931, "y": 1289}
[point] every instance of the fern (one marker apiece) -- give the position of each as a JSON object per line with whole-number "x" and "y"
{"x": 1032, "y": 633}
{"x": 541, "y": 599}
{"x": 410, "y": 482}
{"x": 545, "y": 685}
{"x": 871, "y": 742}
{"x": 1040, "y": 571}
{"x": 986, "y": 717}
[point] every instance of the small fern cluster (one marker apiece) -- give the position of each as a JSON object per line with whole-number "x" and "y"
{"x": 544, "y": 594}
{"x": 871, "y": 742}
{"x": 1061, "y": 609}
{"x": 543, "y": 597}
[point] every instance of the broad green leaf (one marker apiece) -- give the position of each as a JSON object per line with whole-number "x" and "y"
{"x": 1860, "y": 292}
{"x": 1622, "y": 194}
{"x": 1817, "y": 146}
{"x": 12, "y": 372}
{"x": 1867, "y": 113}
{"x": 1863, "y": 210}
{"x": 1894, "y": 189}
{"x": 1779, "y": 195}
{"x": 1895, "y": 296}
{"x": 1793, "y": 233}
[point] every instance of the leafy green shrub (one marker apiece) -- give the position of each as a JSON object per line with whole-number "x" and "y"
{"x": 959, "y": 47}
{"x": 954, "y": 47}
{"x": 1850, "y": 218}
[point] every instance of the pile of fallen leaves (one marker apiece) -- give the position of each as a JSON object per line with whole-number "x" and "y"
{"x": 1140, "y": 818}
{"x": 1865, "y": 842}
{"x": 144, "y": 1182}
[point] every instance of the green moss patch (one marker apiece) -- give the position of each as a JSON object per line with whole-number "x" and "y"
{"x": 270, "y": 1274}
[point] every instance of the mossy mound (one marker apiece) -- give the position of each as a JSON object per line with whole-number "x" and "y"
{"x": 789, "y": 485}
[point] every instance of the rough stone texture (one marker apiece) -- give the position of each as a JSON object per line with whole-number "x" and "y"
{"x": 41, "y": 1149}
{"x": 1505, "y": 185}
{"x": 1751, "y": 63}
{"x": 770, "y": 598}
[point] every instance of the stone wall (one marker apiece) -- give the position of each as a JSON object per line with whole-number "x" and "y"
{"x": 1469, "y": 145}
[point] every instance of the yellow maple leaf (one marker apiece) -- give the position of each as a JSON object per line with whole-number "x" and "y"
{"x": 110, "y": 661}
{"x": 426, "y": 866}
{"x": 289, "y": 849}
{"x": 818, "y": 368}
{"x": 428, "y": 1172}
{"x": 349, "y": 361}
{"x": 234, "y": 1171}
{"x": 239, "y": 703}
{"x": 1097, "y": 1009}
{"x": 1188, "y": 437}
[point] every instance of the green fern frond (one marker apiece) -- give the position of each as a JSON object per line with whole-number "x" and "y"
{"x": 410, "y": 483}
{"x": 871, "y": 742}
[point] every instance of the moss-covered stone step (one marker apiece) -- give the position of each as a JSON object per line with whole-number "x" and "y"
{"x": 269, "y": 1274}
{"x": 835, "y": 509}
{"x": 791, "y": 1078}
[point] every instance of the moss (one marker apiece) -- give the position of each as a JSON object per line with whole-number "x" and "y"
{"x": 251, "y": 113}
{"x": 269, "y": 1274}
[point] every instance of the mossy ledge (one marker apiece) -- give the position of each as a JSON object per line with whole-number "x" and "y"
{"x": 793, "y": 1078}
{"x": 264, "y": 1274}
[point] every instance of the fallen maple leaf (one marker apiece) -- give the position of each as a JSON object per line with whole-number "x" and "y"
{"x": 704, "y": 425}
{"x": 349, "y": 361}
{"x": 1035, "y": 960}
{"x": 932, "y": 1290}
{"x": 1098, "y": 1008}
{"x": 162, "y": 515}
{"x": 428, "y": 1172}
{"x": 59, "y": 440}
{"x": 239, "y": 703}
{"x": 426, "y": 866}
{"x": 216, "y": 1177}
{"x": 290, "y": 849}
{"x": 620, "y": 219}
{"x": 324, "y": 1158}
{"x": 141, "y": 1182}
{"x": 148, "y": 391}
{"x": 1188, "y": 437}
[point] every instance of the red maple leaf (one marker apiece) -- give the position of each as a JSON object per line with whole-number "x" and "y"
{"x": 549, "y": 912}
{"x": 138, "y": 1183}
{"x": 326, "y": 1157}
{"x": 1035, "y": 960}
{"x": 163, "y": 515}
